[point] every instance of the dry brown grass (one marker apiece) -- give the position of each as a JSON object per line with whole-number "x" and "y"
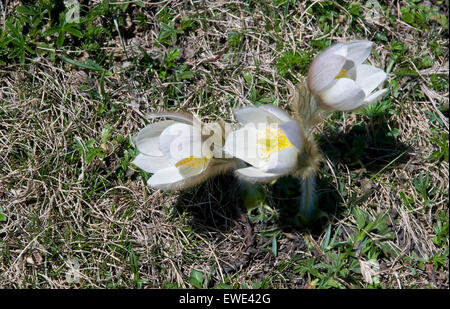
{"x": 61, "y": 206}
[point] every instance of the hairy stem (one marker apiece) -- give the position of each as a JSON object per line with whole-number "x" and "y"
{"x": 306, "y": 107}
{"x": 307, "y": 206}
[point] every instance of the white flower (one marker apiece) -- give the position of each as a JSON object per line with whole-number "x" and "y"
{"x": 269, "y": 140}
{"x": 175, "y": 152}
{"x": 339, "y": 80}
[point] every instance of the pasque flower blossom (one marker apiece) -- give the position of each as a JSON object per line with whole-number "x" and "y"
{"x": 178, "y": 152}
{"x": 270, "y": 141}
{"x": 339, "y": 80}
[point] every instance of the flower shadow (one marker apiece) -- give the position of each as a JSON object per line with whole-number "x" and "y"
{"x": 285, "y": 197}
{"x": 212, "y": 205}
{"x": 370, "y": 147}
{"x": 367, "y": 149}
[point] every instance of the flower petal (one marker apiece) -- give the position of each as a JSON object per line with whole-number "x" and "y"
{"x": 350, "y": 69}
{"x": 253, "y": 174}
{"x": 293, "y": 132}
{"x": 165, "y": 177}
{"x": 343, "y": 94}
{"x": 180, "y": 141}
{"x": 151, "y": 164}
{"x": 325, "y": 67}
{"x": 358, "y": 51}
{"x": 277, "y": 112}
{"x": 147, "y": 140}
{"x": 168, "y": 178}
{"x": 283, "y": 161}
{"x": 192, "y": 166}
{"x": 374, "y": 96}
{"x": 243, "y": 144}
{"x": 369, "y": 77}
{"x": 212, "y": 139}
{"x": 178, "y": 116}
{"x": 254, "y": 115}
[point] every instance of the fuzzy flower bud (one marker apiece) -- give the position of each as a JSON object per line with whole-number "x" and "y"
{"x": 340, "y": 81}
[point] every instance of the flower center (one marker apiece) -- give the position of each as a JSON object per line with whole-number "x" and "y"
{"x": 192, "y": 161}
{"x": 271, "y": 140}
{"x": 342, "y": 73}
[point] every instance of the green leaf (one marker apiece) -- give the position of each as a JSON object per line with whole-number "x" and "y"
{"x": 370, "y": 226}
{"x": 51, "y": 31}
{"x": 26, "y": 10}
{"x": 234, "y": 39}
{"x": 134, "y": 264}
{"x": 223, "y": 286}
{"x": 106, "y": 133}
{"x": 326, "y": 239}
{"x": 88, "y": 65}
{"x": 274, "y": 246}
{"x": 292, "y": 61}
{"x": 2, "y": 215}
{"x": 355, "y": 9}
{"x": 360, "y": 217}
{"x": 335, "y": 284}
{"x": 196, "y": 278}
{"x": 60, "y": 39}
{"x": 407, "y": 15}
{"x": 73, "y": 31}
{"x": 172, "y": 55}
{"x": 168, "y": 33}
{"x": 248, "y": 78}
{"x": 333, "y": 242}
{"x": 185, "y": 75}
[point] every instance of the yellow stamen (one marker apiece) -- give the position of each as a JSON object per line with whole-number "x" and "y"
{"x": 192, "y": 162}
{"x": 272, "y": 140}
{"x": 342, "y": 73}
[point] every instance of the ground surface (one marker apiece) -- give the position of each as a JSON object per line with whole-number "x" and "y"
{"x": 75, "y": 213}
